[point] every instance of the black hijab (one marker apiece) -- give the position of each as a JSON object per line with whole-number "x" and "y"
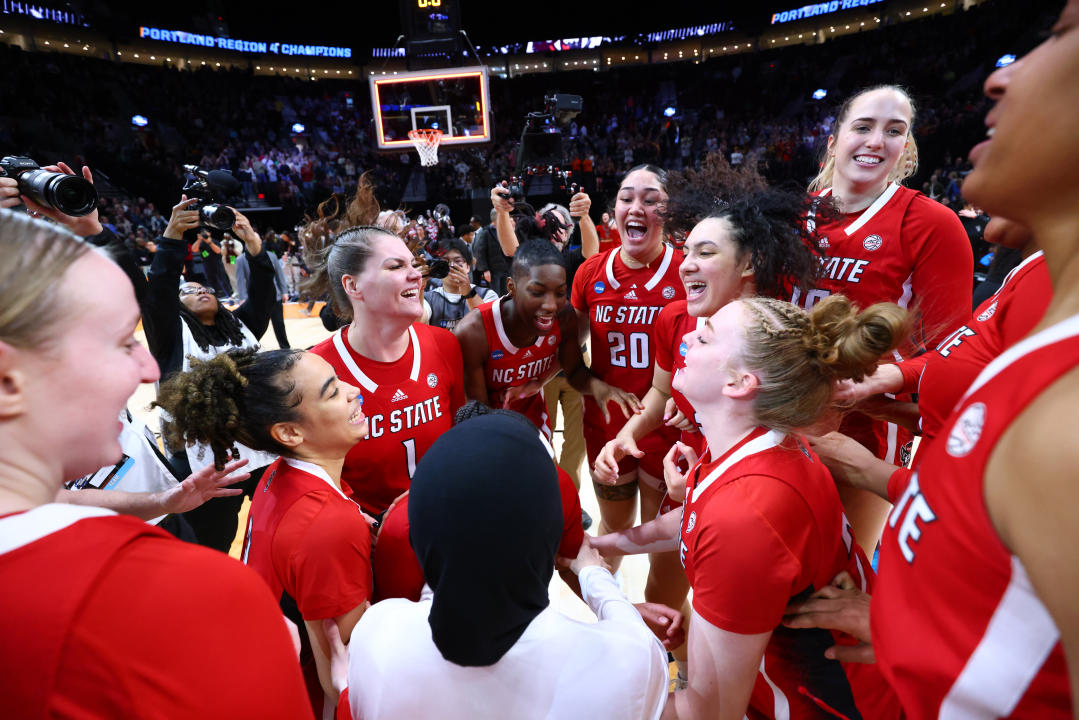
{"x": 485, "y": 521}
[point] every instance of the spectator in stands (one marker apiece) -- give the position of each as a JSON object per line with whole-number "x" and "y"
{"x": 452, "y": 300}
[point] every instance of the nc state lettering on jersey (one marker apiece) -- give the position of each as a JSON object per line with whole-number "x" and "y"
{"x": 405, "y": 418}
{"x": 954, "y": 340}
{"x": 627, "y": 314}
{"x": 912, "y": 507}
{"x": 844, "y": 269}
{"x": 527, "y": 371}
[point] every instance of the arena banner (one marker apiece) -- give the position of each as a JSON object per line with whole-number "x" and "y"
{"x": 249, "y": 46}
{"x": 815, "y": 9}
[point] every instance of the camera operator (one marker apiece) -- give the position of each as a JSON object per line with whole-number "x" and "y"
{"x": 456, "y": 296}
{"x": 187, "y": 321}
{"x": 579, "y": 205}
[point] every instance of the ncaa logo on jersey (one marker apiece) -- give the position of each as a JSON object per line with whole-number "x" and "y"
{"x": 668, "y": 293}
{"x": 599, "y": 287}
{"x": 873, "y": 242}
{"x": 967, "y": 430}
{"x": 432, "y": 380}
{"x": 989, "y": 312}
{"x": 497, "y": 355}
{"x": 683, "y": 349}
{"x": 691, "y": 522}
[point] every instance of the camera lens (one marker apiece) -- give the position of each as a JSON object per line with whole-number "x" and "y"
{"x": 217, "y": 216}
{"x": 70, "y": 194}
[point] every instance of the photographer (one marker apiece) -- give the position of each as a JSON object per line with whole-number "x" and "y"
{"x": 456, "y": 296}
{"x": 187, "y": 321}
{"x": 579, "y": 205}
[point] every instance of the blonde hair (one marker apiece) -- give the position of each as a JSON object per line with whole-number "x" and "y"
{"x": 905, "y": 166}
{"x": 798, "y": 355}
{"x": 36, "y": 257}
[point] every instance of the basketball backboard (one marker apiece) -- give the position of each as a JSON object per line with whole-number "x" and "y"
{"x": 453, "y": 100}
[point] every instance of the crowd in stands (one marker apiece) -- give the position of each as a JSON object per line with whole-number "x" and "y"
{"x": 241, "y": 122}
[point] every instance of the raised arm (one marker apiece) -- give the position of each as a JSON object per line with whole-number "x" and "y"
{"x": 507, "y": 238}
{"x": 579, "y": 205}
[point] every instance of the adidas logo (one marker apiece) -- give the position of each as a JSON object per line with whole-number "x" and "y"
{"x": 630, "y": 295}
{"x": 398, "y": 396}
{"x": 528, "y": 353}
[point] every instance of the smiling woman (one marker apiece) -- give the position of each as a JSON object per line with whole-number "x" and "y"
{"x": 87, "y": 591}
{"x": 308, "y": 541}
{"x": 890, "y": 244}
{"x": 409, "y": 374}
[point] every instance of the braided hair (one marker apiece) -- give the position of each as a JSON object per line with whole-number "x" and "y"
{"x": 226, "y": 328}
{"x": 798, "y": 355}
{"x": 236, "y": 397}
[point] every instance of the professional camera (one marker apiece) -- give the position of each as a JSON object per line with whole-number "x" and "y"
{"x": 212, "y": 189}
{"x": 70, "y": 194}
{"x": 540, "y": 153}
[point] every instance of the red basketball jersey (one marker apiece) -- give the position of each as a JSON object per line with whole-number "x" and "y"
{"x": 907, "y": 249}
{"x": 312, "y": 547}
{"x": 408, "y": 402}
{"x": 623, "y": 305}
{"x": 673, "y": 324}
{"x": 507, "y": 365}
{"x": 762, "y": 525}
{"x": 946, "y": 372}
{"x": 957, "y": 627}
{"x": 105, "y": 616}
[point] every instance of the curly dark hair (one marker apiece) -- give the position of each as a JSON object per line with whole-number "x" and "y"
{"x": 235, "y": 397}
{"x": 768, "y": 223}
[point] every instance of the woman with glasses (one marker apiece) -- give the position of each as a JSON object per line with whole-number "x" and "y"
{"x": 193, "y": 323}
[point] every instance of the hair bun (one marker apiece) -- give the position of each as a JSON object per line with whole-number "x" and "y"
{"x": 847, "y": 344}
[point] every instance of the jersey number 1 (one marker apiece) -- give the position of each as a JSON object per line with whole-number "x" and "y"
{"x": 410, "y": 456}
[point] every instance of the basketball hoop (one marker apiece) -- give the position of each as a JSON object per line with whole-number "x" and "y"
{"x": 426, "y": 141}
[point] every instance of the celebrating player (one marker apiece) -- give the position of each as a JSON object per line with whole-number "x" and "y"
{"x": 748, "y": 246}
{"x": 513, "y": 345}
{"x": 618, "y": 296}
{"x": 104, "y": 615}
{"x": 762, "y": 521}
{"x": 409, "y": 375}
{"x": 309, "y": 542}
{"x": 891, "y": 244}
{"x": 984, "y": 533}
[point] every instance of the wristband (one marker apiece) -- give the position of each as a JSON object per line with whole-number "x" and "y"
{"x": 471, "y": 293}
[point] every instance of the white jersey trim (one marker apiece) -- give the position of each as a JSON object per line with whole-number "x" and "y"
{"x": 312, "y": 469}
{"x": 500, "y": 329}
{"x": 610, "y": 269}
{"x": 870, "y": 212}
{"x": 668, "y": 255}
{"x": 1015, "y": 270}
{"x": 1016, "y": 643}
{"x": 25, "y": 528}
{"x": 767, "y": 441}
{"x": 1063, "y": 330}
{"x": 780, "y": 704}
{"x": 367, "y": 383}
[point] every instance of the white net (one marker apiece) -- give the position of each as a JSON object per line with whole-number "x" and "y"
{"x": 426, "y": 142}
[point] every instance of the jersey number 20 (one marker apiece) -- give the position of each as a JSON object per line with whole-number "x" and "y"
{"x": 637, "y": 354}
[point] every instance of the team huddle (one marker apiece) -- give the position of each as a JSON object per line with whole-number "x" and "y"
{"x": 756, "y": 364}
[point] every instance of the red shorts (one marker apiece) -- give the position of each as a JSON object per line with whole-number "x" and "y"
{"x": 655, "y": 445}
